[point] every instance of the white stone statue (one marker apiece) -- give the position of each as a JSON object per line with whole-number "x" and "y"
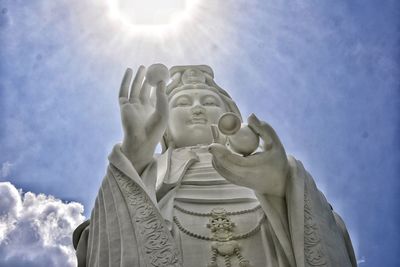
{"x": 208, "y": 200}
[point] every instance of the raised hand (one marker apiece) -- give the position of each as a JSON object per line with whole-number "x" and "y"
{"x": 143, "y": 123}
{"x": 265, "y": 172}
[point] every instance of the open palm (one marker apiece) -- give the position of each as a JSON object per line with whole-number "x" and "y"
{"x": 143, "y": 122}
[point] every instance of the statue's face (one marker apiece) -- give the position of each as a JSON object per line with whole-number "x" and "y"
{"x": 192, "y": 111}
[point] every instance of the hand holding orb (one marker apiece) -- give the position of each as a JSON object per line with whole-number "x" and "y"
{"x": 240, "y": 137}
{"x": 157, "y": 73}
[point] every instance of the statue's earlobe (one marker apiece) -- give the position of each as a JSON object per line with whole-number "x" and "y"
{"x": 167, "y": 142}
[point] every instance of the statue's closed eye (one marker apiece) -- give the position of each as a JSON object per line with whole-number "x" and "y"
{"x": 210, "y": 101}
{"x": 182, "y": 102}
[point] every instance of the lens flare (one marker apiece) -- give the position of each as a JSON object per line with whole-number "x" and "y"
{"x": 150, "y": 16}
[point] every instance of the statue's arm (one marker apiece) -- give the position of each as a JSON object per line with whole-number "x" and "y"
{"x": 126, "y": 192}
{"x": 125, "y": 216}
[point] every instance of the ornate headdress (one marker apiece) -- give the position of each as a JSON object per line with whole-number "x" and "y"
{"x": 196, "y": 77}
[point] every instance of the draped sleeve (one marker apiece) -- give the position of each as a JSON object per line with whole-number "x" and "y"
{"x": 315, "y": 235}
{"x": 126, "y": 228}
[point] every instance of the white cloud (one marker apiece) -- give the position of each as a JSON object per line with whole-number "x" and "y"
{"x": 36, "y": 229}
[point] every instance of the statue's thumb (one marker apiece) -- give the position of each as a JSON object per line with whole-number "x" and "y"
{"x": 220, "y": 158}
{"x": 218, "y": 150}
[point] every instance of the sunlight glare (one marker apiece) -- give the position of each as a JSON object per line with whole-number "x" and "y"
{"x": 150, "y": 16}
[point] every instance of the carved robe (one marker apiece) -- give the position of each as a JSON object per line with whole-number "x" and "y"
{"x": 131, "y": 224}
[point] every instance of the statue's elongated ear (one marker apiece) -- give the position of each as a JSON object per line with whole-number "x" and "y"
{"x": 166, "y": 142}
{"x": 164, "y": 145}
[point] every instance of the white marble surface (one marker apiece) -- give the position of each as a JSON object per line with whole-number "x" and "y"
{"x": 135, "y": 223}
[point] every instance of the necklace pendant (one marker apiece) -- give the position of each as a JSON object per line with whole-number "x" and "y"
{"x": 222, "y": 233}
{"x": 226, "y": 248}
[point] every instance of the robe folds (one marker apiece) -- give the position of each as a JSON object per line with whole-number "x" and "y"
{"x": 131, "y": 221}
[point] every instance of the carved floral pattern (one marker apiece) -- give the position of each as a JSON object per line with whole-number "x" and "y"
{"x": 157, "y": 243}
{"x": 313, "y": 249}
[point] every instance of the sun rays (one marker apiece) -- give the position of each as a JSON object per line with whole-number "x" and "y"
{"x": 151, "y": 17}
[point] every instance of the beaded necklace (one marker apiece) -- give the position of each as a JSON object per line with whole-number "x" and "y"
{"x": 224, "y": 241}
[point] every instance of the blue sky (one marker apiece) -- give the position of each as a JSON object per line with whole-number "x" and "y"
{"x": 324, "y": 74}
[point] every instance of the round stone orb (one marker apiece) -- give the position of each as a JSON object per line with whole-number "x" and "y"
{"x": 245, "y": 141}
{"x": 229, "y": 123}
{"x": 157, "y": 73}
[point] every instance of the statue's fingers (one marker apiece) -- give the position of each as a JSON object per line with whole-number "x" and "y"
{"x": 144, "y": 95}
{"x": 124, "y": 89}
{"x": 231, "y": 166}
{"x": 222, "y": 154}
{"x": 265, "y": 131}
{"x": 221, "y": 151}
{"x": 161, "y": 98}
{"x": 259, "y": 158}
{"x": 152, "y": 97}
{"x": 137, "y": 83}
{"x": 160, "y": 113}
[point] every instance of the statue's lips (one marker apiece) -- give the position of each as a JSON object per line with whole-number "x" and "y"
{"x": 198, "y": 120}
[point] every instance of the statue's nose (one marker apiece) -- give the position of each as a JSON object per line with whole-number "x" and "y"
{"x": 196, "y": 110}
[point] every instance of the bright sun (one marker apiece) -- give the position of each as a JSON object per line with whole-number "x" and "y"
{"x": 149, "y": 15}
